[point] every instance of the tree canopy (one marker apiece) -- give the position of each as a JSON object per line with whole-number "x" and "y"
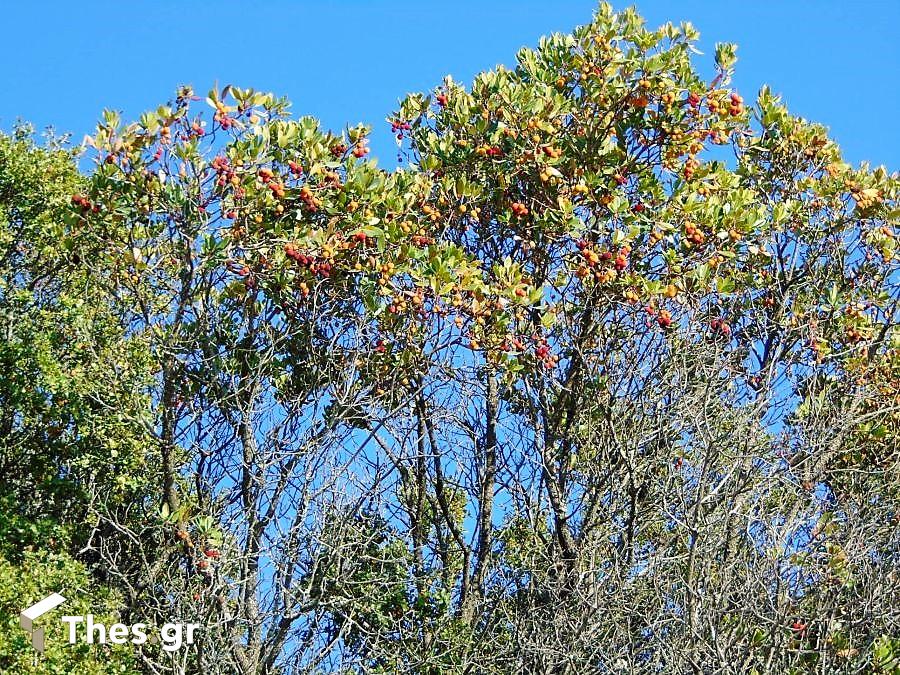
{"x": 602, "y": 378}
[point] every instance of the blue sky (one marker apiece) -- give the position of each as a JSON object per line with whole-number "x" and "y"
{"x": 349, "y": 61}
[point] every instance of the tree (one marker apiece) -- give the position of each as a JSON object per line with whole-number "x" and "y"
{"x": 681, "y": 349}
{"x": 605, "y": 379}
{"x": 68, "y": 380}
{"x": 266, "y": 337}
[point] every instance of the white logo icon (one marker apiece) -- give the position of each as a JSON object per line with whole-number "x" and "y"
{"x": 28, "y": 616}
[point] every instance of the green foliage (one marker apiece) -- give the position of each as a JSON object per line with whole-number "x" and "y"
{"x": 34, "y": 575}
{"x": 615, "y": 358}
{"x": 73, "y": 386}
{"x": 72, "y": 405}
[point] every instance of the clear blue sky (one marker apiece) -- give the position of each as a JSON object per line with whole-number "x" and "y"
{"x": 835, "y": 62}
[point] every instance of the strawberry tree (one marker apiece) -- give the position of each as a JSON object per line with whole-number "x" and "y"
{"x": 643, "y": 232}
{"x": 271, "y": 266}
{"x": 604, "y": 376}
